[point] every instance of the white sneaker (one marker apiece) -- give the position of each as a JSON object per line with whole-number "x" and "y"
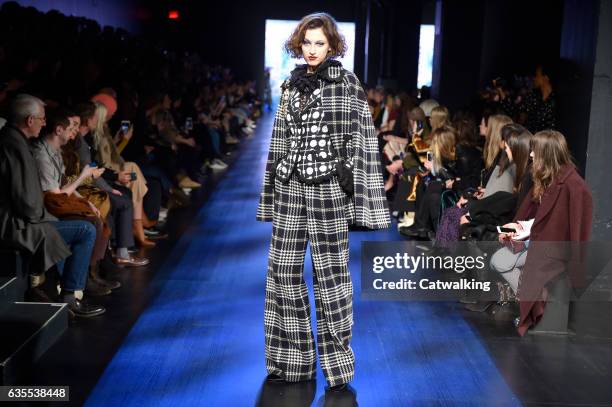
{"x": 407, "y": 221}
{"x": 220, "y": 163}
{"x": 216, "y": 167}
{"x": 163, "y": 212}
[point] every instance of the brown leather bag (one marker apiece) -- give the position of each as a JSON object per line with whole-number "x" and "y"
{"x": 64, "y": 206}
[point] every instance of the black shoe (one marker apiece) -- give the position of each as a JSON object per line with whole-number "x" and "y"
{"x": 158, "y": 236}
{"x": 504, "y": 311}
{"x": 111, "y": 284}
{"x": 82, "y": 309}
{"x": 37, "y": 294}
{"x": 94, "y": 288}
{"x": 413, "y": 231}
{"x": 479, "y": 306}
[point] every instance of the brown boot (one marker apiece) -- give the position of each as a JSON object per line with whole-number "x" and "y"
{"x": 139, "y": 235}
{"x": 146, "y": 222}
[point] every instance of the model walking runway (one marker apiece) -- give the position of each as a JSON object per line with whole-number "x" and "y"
{"x": 201, "y": 340}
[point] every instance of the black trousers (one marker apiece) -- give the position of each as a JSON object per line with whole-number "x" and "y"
{"x": 428, "y": 205}
{"x": 153, "y": 198}
{"x": 121, "y": 216}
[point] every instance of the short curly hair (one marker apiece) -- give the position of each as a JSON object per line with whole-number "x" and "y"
{"x": 337, "y": 43}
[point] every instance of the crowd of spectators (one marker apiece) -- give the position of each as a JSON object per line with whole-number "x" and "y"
{"x": 457, "y": 176}
{"x": 102, "y": 134}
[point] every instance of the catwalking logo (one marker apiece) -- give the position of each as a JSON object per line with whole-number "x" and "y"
{"x": 405, "y": 261}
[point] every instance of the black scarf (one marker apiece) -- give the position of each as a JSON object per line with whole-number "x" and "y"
{"x": 306, "y": 82}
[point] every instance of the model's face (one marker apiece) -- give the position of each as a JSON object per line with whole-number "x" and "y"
{"x": 315, "y": 47}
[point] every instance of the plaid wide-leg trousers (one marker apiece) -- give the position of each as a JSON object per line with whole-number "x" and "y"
{"x": 315, "y": 213}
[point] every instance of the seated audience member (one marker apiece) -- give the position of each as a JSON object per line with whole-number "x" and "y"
{"x": 121, "y": 216}
{"x": 481, "y": 214}
{"x": 129, "y": 174}
{"x": 492, "y": 153}
{"x": 26, "y": 225}
{"x": 554, "y": 219}
{"x": 61, "y": 196}
{"x": 444, "y": 172}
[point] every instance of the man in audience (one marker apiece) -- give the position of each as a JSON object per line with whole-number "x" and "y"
{"x": 24, "y": 222}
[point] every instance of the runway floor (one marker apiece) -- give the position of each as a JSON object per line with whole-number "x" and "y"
{"x": 199, "y": 342}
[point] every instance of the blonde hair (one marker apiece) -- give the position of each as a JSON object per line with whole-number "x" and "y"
{"x": 443, "y": 145}
{"x": 550, "y": 154}
{"x": 100, "y": 115}
{"x": 439, "y": 117}
{"x": 493, "y": 137}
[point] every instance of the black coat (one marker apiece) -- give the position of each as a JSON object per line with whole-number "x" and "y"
{"x": 24, "y": 222}
{"x": 468, "y": 165}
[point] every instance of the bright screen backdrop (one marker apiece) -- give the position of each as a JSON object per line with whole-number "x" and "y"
{"x": 281, "y": 64}
{"x": 426, "y": 50}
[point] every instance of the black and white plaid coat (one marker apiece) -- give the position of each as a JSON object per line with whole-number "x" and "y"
{"x": 350, "y": 124}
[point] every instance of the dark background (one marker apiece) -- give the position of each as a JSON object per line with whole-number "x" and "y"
{"x": 476, "y": 41}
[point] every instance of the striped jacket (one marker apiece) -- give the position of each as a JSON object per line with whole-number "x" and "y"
{"x": 349, "y": 123}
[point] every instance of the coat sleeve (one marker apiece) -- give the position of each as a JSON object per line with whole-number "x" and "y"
{"x": 278, "y": 146}
{"x": 26, "y": 194}
{"x": 369, "y": 198}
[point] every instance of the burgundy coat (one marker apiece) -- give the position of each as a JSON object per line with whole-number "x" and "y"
{"x": 563, "y": 217}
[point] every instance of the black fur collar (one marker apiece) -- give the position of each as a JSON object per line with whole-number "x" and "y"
{"x": 307, "y": 83}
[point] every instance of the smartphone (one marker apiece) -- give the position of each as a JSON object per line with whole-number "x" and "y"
{"x": 93, "y": 164}
{"x": 502, "y": 229}
{"x": 125, "y": 125}
{"x": 189, "y": 123}
{"x": 132, "y": 176}
{"x": 419, "y": 125}
{"x": 429, "y": 156}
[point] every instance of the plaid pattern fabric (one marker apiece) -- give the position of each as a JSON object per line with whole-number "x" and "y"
{"x": 351, "y": 131}
{"x": 314, "y": 212}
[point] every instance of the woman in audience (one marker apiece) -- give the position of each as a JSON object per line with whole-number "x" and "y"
{"x": 121, "y": 211}
{"x": 492, "y": 149}
{"x": 551, "y": 224}
{"x": 439, "y": 117}
{"x": 443, "y": 173}
{"x": 129, "y": 174}
{"x": 498, "y": 207}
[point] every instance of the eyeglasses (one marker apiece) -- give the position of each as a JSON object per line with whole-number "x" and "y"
{"x": 42, "y": 119}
